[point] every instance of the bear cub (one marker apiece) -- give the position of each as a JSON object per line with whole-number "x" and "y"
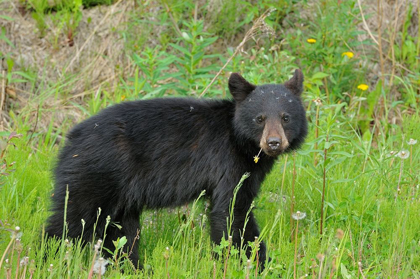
{"x": 164, "y": 152}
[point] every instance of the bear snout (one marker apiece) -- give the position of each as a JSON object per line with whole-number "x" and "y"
{"x": 273, "y": 140}
{"x": 273, "y": 143}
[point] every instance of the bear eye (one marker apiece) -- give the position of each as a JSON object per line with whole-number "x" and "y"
{"x": 286, "y": 118}
{"x": 259, "y": 119}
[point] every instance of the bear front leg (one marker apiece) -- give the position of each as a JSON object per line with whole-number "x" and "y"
{"x": 130, "y": 228}
{"x": 219, "y": 230}
{"x": 249, "y": 234}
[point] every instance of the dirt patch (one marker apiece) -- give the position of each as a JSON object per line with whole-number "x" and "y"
{"x": 96, "y": 58}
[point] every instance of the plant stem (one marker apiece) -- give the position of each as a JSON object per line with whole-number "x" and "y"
{"x": 399, "y": 177}
{"x": 316, "y": 134}
{"x": 5, "y": 251}
{"x": 284, "y": 175}
{"x": 227, "y": 256}
{"x": 323, "y": 188}
{"x": 292, "y": 205}
{"x": 296, "y": 244}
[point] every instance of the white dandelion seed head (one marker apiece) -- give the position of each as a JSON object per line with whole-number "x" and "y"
{"x": 320, "y": 257}
{"x": 100, "y": 266}
{"x": 298, "y": 215}
{"x": 412, "y": 142}
{"x": 97, "y": 246}
{"x": 24, "y": 261}
{"x": 403, "y": 154}
{"x": 318, "y": 102}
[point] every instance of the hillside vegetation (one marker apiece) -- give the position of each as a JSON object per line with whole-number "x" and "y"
{"x": 346, "y": 205}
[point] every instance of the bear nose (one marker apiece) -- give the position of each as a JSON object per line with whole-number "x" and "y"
{"x": 274, "y": 142}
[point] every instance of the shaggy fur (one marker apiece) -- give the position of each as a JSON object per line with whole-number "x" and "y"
{"x": 164, "y": 152}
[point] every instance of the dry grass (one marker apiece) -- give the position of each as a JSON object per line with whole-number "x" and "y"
{"x": 383, "y": 20}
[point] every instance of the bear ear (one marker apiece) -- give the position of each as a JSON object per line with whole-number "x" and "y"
{"x": 295, "y": 84}
{"x": 239, "y": 87}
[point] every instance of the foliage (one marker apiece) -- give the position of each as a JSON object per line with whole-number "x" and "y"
{"x": 357, "y": 172}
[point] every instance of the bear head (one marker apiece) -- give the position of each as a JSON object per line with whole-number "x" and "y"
{"x": 271, "y": 115}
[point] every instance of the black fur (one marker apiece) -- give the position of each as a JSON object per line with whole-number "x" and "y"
{"x": 165, "y": 152}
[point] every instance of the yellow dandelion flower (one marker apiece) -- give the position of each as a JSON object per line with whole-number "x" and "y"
{"x": 311, "y": 41}
{"x": 363, "y": 87}
{"x": 122, "y": 97}
{"x": 256, "y": 158}
{"x": 349, "y": 54}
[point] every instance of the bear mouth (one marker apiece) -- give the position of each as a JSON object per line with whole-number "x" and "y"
{"x": 273, "y": 152}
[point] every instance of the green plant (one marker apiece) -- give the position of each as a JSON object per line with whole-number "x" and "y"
{"x": 152, "y": 77}
{"x": 3, "y": 36}
{"x": 6, "y": 167}
{"x": 192, "y": 59}
{"x": 39, "y": 7}
{"x": 71, "y": 14}
{"x": 330, "y": 48}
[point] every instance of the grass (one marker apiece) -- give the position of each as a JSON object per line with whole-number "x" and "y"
{"x": 350, "y": 178}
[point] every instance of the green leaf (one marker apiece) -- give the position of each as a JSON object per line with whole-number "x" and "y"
{"x": 120, "y": 242}
{"x": 319, "y": 75}
{"x": 185, "y": 51}
{"x": 344, "y": 271}
{"x": 346, "y": 154}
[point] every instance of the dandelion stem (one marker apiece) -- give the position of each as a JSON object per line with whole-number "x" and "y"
{"x": 292, "y": 205}
{"x": 214, "y": 270}
{"x": 7, "y": 249}
{"x": 323, "y": 188}
{"x": 93, "y": 264}
{"x": 411, "y": 157}
{"x": 316, "y": 134}
{"x": 227, "y": 256}
{"x": 284, "y": 175}
{"x": 248, "y": 267}
{"x": 257, "y": 246}
{"x": 296, "y": 244}
{"x": 399, "y": 177}
{"x": 17, "y": 265}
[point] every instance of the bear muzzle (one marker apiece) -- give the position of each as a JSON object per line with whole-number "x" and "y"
{"x": 273, "y": 141}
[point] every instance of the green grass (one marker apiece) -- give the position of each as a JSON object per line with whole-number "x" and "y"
{"x": 371, "y": 196}
{"x": 379, "y": 223}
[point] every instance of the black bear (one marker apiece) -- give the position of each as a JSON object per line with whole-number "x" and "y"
{"x": 158, "y": 153}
